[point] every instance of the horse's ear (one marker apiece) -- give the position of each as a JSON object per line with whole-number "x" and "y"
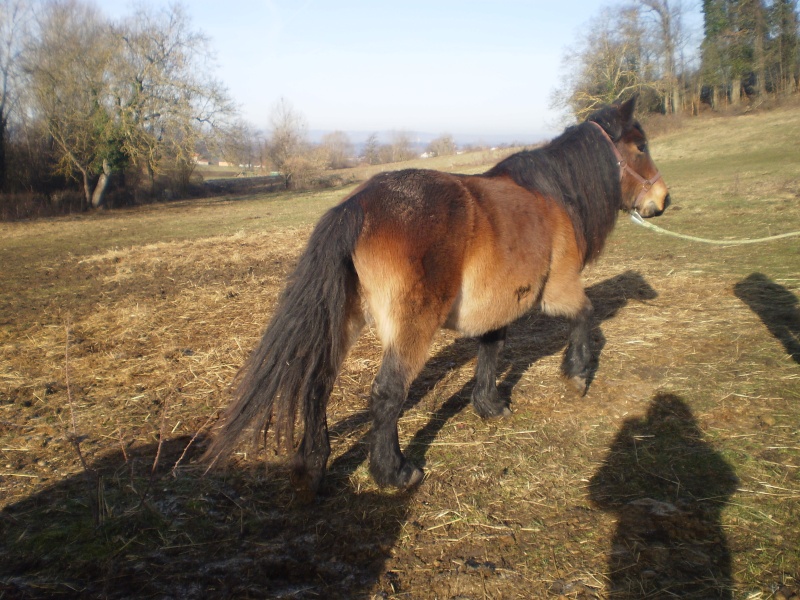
{"x": 626, "y": 110}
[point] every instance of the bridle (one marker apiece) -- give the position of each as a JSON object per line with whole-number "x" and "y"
{"x": 624, "y": 167}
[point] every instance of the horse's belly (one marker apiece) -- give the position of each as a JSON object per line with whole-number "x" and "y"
{"x": 483, "y": 308}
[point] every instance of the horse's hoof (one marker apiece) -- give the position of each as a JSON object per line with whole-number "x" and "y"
{"x": 502, "y": 413}
{"x": 579, "y": 384}
{"x": 305, "y": 482}
{"x": 406, "y": 477}
{"x": 414, "y": 478}
{"x": 490, "y": 408}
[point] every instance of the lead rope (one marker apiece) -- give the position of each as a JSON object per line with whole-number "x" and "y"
{"x": 638, "y": 220}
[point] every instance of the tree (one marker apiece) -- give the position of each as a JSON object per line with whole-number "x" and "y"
{"x": 14, "y": 16}
{"x": 288, "y": 144}
{"x": 442, "y": 145}
{"x": 133, "y": 94}
{"x": 166, "y": 101}
{"x": 372, "y": 150}
{"x": 242, "y": 145}
{"x": 713, "y": 48}
{"x": 611, "y": 62}
{"x": 399, "y": 148}
{"x": 785, "y": 22}
{"x": 737, "y": 36}
{"x": 667, "y": 27}
{"x": 339, "y": 149}
{"x": 68, "y": 68}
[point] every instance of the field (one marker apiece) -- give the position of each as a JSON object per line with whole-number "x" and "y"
{"x": 678, "y": 475}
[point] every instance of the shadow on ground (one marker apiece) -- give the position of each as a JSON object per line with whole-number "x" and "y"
{"x": 119, "y": 531}
{"x": 667, "y": 488}
{"x": 530, "y": 339}
{"x": 777, "y": 307}
{"x": 186, "y": 536}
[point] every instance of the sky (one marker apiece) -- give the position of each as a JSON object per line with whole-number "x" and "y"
{"x": 464, "y": 67}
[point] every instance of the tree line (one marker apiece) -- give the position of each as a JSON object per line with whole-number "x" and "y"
{"x": 748, "y": 52}
{"x": 96, "y": 112}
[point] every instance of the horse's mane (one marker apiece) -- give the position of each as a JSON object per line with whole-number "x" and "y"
{"x": 577, "y": 170}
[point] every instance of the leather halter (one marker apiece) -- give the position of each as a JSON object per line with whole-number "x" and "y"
{"x": 625, "y": 167}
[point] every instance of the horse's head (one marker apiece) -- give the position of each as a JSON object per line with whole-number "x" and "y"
{"x": 643, "y": 188}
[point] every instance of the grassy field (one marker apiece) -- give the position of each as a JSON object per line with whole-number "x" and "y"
{"x": 677, "y": 475}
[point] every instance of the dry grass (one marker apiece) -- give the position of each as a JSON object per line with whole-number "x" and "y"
{"x": 679, "y": 473}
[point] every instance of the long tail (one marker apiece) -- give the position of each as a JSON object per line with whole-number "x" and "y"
{"x": 299, "y": 356}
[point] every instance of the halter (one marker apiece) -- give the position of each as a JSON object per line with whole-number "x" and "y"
{"x": 624, "y": 166}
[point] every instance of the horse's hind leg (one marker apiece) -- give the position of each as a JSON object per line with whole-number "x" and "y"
{"x": 387, "y": 464}
{"x": 311, "y": 459}
{"x": 485, "y": 398}
{"x": 576, "y": 365}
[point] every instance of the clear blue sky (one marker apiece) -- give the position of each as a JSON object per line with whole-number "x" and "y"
{"x": 456, "y": 66}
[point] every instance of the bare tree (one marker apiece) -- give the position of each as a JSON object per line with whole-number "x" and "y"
{"x": 667, "y": 24}
{"x": 400, "y": 148}
{"x": 112, "y": 96}
{"x": 372, "y": 150}
{"x": 611, "y": 62}
{"x": 339, "y": 149}
{"x": 68, "y": 67}
{"x": 288, "y": 143}
{"x": 242, "y": 145}
{"x": 444, "y": 145}
{"x": 14, "y": 15}
{"x": 167, "y": 101}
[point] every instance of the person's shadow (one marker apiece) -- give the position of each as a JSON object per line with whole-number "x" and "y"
{"x": 120, "y": 532}
{"x": 777, "y": 307}
{"x": 667, "y": 488}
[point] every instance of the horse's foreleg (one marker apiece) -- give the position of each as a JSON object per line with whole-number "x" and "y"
{"x": 577, "y": 359}
{"x": 387, "y": 464}
{"x": 485, "y": 398}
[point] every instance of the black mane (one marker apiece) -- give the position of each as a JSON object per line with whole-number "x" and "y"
{"x": 577, "y": 169}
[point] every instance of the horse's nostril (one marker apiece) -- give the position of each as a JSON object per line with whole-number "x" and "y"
{"x": 667, "y": 202}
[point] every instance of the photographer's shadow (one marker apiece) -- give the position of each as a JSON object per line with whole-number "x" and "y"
{"x": 667, "y": 488}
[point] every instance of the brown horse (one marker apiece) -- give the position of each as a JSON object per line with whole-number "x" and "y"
{"x": 412, "y": 251}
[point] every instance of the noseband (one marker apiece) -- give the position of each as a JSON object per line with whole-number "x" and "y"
{"x": 625, "y": 167}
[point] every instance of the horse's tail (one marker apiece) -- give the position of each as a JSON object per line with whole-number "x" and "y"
{"x": 302, "y": 349}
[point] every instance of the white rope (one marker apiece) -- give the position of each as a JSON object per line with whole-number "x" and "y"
{"x": 637, "y": 218}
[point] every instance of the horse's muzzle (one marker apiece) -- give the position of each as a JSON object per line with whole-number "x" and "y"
{"x": 651, "y": 209}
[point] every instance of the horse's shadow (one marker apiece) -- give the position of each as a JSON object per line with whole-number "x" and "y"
{"x": 530, "y": 339}
{"x": 667, "y": 488}
{"x": 242, "y": 533}
{"x": 118, "y": 532}
{"x": 777, "y": 307}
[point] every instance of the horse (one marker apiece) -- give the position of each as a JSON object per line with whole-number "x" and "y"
{"x": 413, "y": 251}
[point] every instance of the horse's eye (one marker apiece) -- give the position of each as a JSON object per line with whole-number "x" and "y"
{"x": 642, "y": 147}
